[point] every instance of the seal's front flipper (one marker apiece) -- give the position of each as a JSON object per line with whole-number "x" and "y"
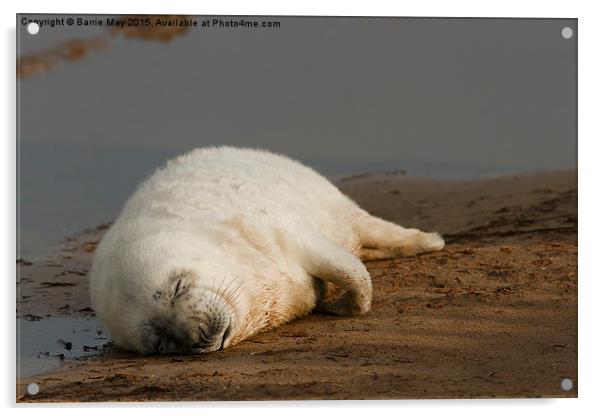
{"x": 325, "y": 260}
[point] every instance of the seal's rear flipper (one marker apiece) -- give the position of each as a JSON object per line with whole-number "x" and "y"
{"x": 325, "y": 260}
{"x": 382, "y": 239}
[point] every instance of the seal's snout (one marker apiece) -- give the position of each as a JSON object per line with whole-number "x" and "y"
{"x": 213, "y": 338}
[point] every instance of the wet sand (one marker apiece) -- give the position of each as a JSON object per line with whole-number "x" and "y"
{"x": 494, "y": 314}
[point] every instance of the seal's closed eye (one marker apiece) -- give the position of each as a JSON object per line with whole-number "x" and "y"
{"x": 179, "y": 283}
{"x": 175, "y": 293}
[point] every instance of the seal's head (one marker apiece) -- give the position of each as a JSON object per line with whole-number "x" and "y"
{"x": 180, "y": 315}
{"x": 168, "y": 293}
{"x": 190, "y": 318}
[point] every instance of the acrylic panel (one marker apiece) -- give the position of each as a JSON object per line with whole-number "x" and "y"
{"x": 355, "y": 208}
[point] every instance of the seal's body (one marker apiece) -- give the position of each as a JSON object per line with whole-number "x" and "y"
{"x": 222, "y": 243}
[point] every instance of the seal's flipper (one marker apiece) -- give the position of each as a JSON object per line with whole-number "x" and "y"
{"x": 325, "y": 260}
{"x": 382, "y": 239}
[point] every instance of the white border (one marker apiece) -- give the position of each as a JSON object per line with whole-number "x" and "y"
{"x": 589, "y": 36}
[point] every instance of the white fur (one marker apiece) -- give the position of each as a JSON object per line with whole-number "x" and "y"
{"x": 234, "y": 236}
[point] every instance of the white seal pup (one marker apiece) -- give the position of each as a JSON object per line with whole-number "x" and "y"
{"x": 222, "y": 243}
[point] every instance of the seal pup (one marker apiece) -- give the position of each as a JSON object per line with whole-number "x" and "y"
{"x": 224, "y": 242}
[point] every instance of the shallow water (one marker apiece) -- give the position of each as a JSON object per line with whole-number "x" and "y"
{"x": 42, "y": 345}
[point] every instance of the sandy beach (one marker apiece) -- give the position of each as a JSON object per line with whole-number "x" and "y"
{"x": 494, "y": 314}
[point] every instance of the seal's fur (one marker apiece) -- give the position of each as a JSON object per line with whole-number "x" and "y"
{"x": 224, "y": 242}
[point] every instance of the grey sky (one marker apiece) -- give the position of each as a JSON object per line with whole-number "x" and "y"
{"x": 497, "y": 92}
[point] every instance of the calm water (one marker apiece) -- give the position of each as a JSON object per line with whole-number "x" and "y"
{"x": 43, "y": 345}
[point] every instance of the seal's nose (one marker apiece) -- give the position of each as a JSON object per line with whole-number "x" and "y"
{"x": 212, "y": 338}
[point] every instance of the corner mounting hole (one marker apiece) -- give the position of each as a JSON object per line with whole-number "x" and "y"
{"x": 33, "y": 28}
{"x": 567, "y": 384}
{"x": 566, "y": 32}
{"x": 33, "y": 389}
